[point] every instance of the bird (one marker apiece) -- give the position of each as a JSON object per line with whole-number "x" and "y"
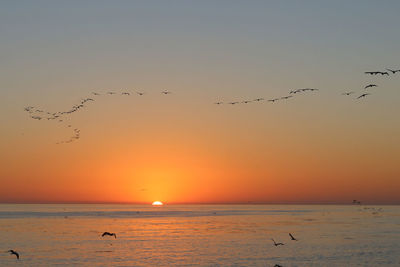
{"x": 384, "y": 73}
{"x": 363, "y": 95}
{"x": 292, "y": 237}
{"x": 273, "y": 100}
{"x": 139, "y": 93}
{"x": 258, "y": 99}
{"x": 286, "y": 97}
{"x": 94, "y": 93}
{"x": 246, "y": 101}
{"x": 277, "y": 244}
{"x": 166, "y": 92}
{"x": 13, "y": 252}
{"x": 295, "y": 91}
{"x": 109, "y": 234}
{"x": 233, "y": 103}
{"x": 371, "y": 72}
{"x": 218, "y": 103}
{"x": 348, "y": 93}
{"x": 393, "y": 71}
{"x": 111, "y": 93}
{"x": 370, "y": 85}
{"x": 125, "y": 93}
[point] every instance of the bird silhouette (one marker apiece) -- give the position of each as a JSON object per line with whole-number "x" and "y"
{"x": 166, "y": 92}
{"x": 125, "y": 93}
{"x": 258, "y": 99}
{"x": 371, "y": 72}
{"x": 218, "y": 103}
{"x": 348, "y": 93}
{"x": 286, "y": 97}
{"x": 13, "y": 252}
{"x": 139, "y": 93}
{"x": 233, "y": 103}
{"x": 273, "y": 100}
{"x": 370, "y": 85}
{"x": 277, "y": 244}
{"x": 109, "y": 234}
{"x": 393, "y": 71}
{"x": 292, "y": 237}
{"x": 363, "y": 95}
{"x": 111, "y": 93}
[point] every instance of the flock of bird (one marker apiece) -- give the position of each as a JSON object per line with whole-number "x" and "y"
{"x": 382, "y": 73}
{"x": 374, "y": 210}
{"x": 13, "y": 252}
{"x": 59, "y": 116}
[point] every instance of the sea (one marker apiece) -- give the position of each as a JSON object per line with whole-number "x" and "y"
{"x": 199, "y": 235}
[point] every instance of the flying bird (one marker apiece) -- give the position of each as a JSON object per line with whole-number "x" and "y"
{"x": 218, "y": 103}
{"x": 371, "y": 72}
{"x": 295, "y": 91}
{"x": 273, "y": 100}
{"x": 258, "y": 99}
{"x": 277, "y": 244}
{"x": 286, "y": 97}
{"x": 125, "y": 93}
{"x": 109, "y": 234}
{"x": 94, "y": 93}
{"x": 246, "y": 101}
{"x": 111, "y": 93}
{"x": 363, "y": 95}
{"x": 233, "y": 103}
{"x": 292, "y": 237}
{"x": 393, "y": 71}
{"x": 370, "y": 85}
{"x": 166, "y": 92}
{"x": 348, "y": 93}
{"x": 13, "y": 252}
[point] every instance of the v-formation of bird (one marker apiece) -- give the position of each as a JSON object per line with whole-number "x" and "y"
{"x": 39, "y": 114}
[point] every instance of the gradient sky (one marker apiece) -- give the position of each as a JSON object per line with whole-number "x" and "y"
{"x": 180, "y": 148}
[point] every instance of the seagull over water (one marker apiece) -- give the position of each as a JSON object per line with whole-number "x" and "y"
{"x": 13, "y": 252}
{"x": 292, "y": 237}
{"x": 277, "y": 244}
{"x": 109, "y": 234}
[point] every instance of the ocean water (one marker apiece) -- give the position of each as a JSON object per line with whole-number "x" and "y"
{"x": 200, "y": 235}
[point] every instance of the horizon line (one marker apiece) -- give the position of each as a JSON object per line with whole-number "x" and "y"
{"x": 199, "y": 203}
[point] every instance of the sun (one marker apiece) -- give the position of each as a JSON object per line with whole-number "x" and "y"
{"x": 157, "y": 203}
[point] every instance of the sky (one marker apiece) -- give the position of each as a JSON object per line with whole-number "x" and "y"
{"x": 316, "y": 147}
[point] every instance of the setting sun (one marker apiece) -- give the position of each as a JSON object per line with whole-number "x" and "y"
{"x": 157, "y": 203}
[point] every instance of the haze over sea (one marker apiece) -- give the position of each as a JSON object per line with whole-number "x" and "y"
{"x": 205, "y": 235}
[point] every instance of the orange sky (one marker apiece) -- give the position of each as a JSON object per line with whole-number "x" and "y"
{"x": 181, "y": 148}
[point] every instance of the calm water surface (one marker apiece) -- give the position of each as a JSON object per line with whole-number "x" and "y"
{"x": 202, "y": 235}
